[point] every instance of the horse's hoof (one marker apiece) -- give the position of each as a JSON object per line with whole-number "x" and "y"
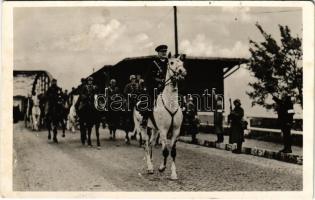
{"x": 128, "y": 142}
{"x": 49, "y": 137}
{"x": 63, "y": 135}
{"x": 174, "y": 177}
{"x": 55, "y": 140}
{"x": 162, "y": 169}
{"x": 150, "y": 171}
{"x": 98, "y": 148}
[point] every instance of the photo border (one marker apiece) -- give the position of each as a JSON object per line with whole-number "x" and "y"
{"x": 6, "y": 103}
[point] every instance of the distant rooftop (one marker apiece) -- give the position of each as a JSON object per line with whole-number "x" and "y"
{"x": 242, "y": 60}
{"x": 30, "y": 72}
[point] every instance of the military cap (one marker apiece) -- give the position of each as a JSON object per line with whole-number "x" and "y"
{"x": 160, "y": 48}
{"x": 237, "y": 100}
{"x": 132, "y": 77}
{"x": 90, "y": 78}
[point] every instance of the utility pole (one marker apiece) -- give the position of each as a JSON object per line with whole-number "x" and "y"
{"x": 175, "y": 30}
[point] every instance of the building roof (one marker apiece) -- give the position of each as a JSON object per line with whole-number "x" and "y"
{"x": 30, "y": 72}
{"x": 227, "y": 63}
{"x": 121, "y": 69}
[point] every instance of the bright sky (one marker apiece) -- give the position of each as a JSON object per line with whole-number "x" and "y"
{"x": 70, "y": 42}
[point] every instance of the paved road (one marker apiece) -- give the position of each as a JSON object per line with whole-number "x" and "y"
{"x": 40, "y": 165}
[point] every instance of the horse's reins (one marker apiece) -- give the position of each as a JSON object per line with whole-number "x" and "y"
{"x": 172, "y": 114}
{"x": 168, "y": 81}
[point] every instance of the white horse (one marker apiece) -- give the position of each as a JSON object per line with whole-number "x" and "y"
{"x": 35, "y": 119}
{"x": 72, "y": 116}
{"x": 168, "y": 117}
{"x": 138, "y": 129}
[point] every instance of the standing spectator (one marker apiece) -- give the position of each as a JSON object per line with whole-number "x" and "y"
{"x": 218, "y": 120}
{"x": 285, "y": 112}
{"x": 192, "y": 119}
{"x": 236, "y": 130}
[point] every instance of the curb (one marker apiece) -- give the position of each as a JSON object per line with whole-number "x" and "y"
{"x": 285, "y": 157}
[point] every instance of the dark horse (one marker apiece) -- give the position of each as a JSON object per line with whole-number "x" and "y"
{"x": 55, "y": 116}
{"x": 88, "y": 117}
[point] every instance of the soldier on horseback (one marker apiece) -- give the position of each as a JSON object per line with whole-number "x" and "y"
{"x": 154, "y": 80}
{"x": 53, "y": 91}
{"x": 113, "y": 117}
{"x": 87, "y": 111}
{"x": 53, "y": 110}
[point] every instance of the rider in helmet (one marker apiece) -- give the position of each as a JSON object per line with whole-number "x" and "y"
{"x": 154, "y": 79}
{"x": 87, "y": 93}
{"x": 112, "y": 88}
{"x": 131, "y": 87}
{"x": 53, "y": 92}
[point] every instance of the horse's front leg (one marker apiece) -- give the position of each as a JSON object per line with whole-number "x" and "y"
{"x": 173, "y": 155}
{"x": 127, "y": 137}
{"x": 148, "y": 152}
{"x": 114, "y": 134}
{"x": 89, "y": 132}
{"x": 97, "y": 127}
{"x": 63, "y": 124}
{"x": 83, "y": 132}
{"x": 49, "y": 129}
{"x": 165, "y": 151}
{"x": 140, "y": 139}
{"x": 55, "y": 132}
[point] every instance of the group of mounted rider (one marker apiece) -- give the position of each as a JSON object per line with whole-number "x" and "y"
{"x": 159, "y": 116}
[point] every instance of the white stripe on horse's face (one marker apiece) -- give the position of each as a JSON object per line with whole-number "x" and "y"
{"x": 177, "y": 69}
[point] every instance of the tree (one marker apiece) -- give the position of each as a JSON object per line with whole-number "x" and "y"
{"x": 276, "y": 68}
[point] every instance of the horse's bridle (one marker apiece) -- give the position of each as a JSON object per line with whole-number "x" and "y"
{"x": 171, "y": 78}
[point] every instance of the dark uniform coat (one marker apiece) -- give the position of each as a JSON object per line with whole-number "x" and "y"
{"x": 285, "y": 118}
{"x": 218, "y": 119}
{"x": 53, "y": 95}
{"x": 155, "y": 76}
{"x": 113, "y": 117}
{"x": 285, "y": 111}
{"x": 86, "y": 97}
{"x": 191, "y": 120}
{"x": 236, "y": 130}
{"x": 131, "y": 88}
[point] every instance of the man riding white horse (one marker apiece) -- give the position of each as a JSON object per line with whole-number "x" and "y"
{"x": 154, "y": 80}
{"x": 165, "y": 116}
